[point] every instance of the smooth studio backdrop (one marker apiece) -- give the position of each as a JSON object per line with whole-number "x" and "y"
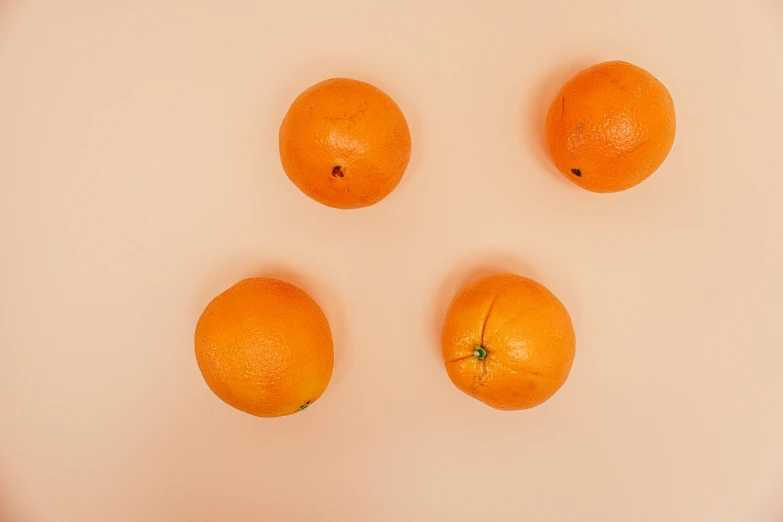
{"x": 140, "y": 177}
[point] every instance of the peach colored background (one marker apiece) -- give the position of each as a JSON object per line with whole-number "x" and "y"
{"x": 140, "y": 177}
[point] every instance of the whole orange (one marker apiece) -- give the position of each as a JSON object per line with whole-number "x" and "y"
{"x": 265, "y": 347}
{"x": 508, "y": 342}
{"x": 345, "y": 143}
{"x": 610, "y": 127}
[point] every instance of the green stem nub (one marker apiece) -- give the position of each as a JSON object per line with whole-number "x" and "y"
{"x": 479, "y": 352}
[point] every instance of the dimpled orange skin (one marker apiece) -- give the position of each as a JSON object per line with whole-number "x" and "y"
{"x": 265, "y": 347}
{"x": 345, "y": 143}
{"x": 610, "y": 127}
{"x": 525, "y": 332}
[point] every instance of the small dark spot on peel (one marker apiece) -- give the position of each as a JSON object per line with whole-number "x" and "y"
{"x": 338, "y": 172}
{"x": 576, "y": 172}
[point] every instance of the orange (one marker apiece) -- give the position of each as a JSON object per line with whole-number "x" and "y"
{"x": 345, "y": 143}
{"x": 508, "y": 342}
{"x": 265, "y": 347}
{"x": 610, "y": 127}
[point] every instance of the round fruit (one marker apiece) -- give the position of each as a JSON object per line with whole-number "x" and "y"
{"x": 610, "y": 127}
{"x": 508, "y": 342}
{"x": 345, "y": 143}
{"x": 265, "y": 347}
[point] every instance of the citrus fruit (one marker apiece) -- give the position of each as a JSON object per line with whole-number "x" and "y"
{"x": 508, "y": 342}
{"x": 610, "y": 127}
{"x": 345, "y": 143}
{"x": 265, "y": 347}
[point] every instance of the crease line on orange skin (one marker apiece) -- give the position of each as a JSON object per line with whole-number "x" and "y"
{"x": 478, "y": 378}
{"x": 458, "y": 359}
{"x": 486, "y": 319}
{"x": 481, "y": 371}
